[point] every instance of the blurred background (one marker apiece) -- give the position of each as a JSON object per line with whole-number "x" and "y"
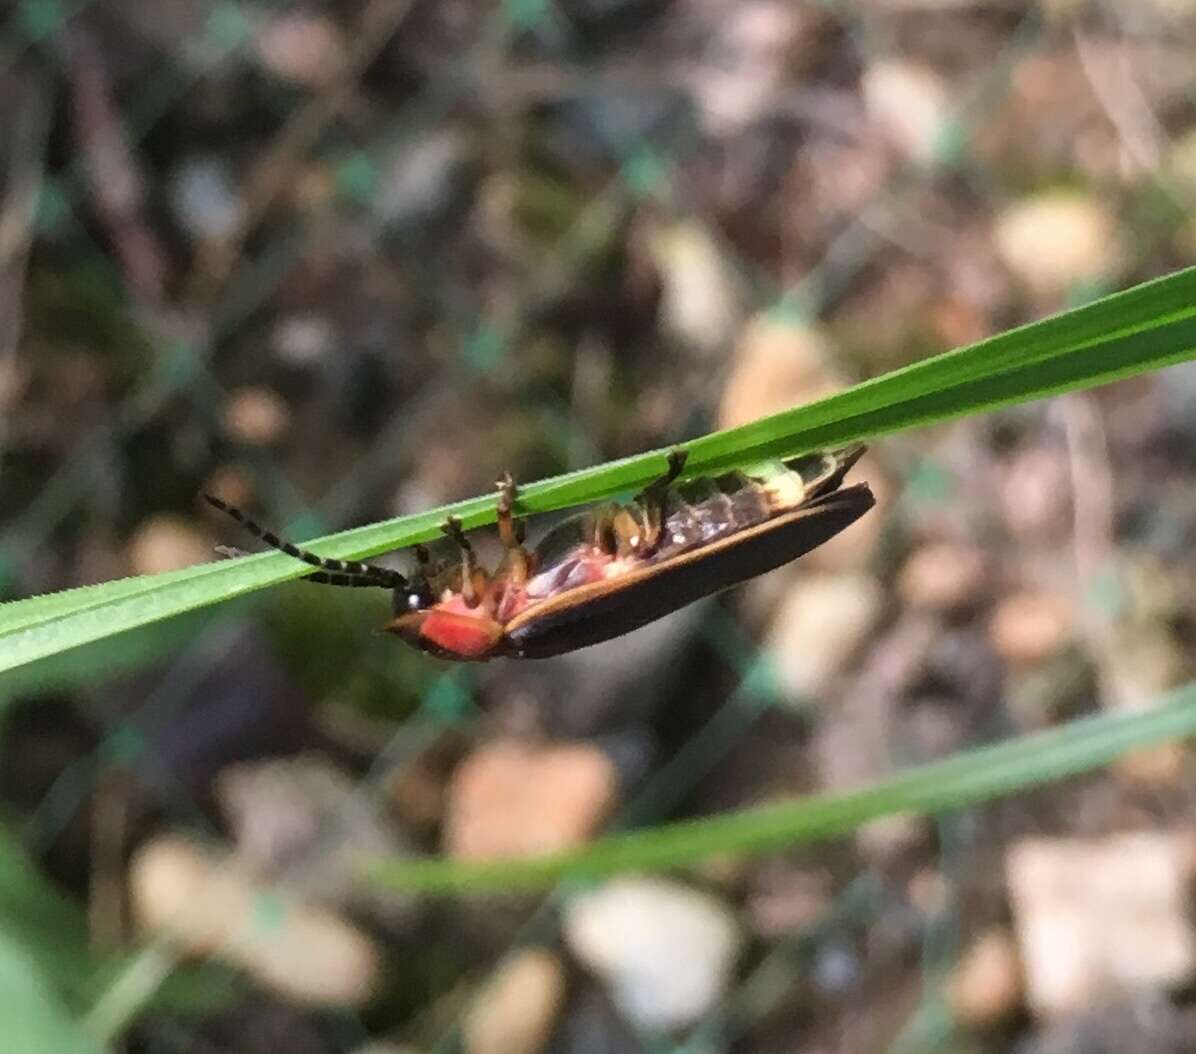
{"x": 346, "y": 260}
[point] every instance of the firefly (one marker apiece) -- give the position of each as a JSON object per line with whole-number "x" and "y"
{"x": 609, "y": 570}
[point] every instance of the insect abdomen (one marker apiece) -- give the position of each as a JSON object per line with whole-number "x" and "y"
{"x": 590, "y": 615}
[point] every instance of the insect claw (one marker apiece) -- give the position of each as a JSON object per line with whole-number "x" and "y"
{"x": 510, "y": 530}
{"x": 516, "y": 566}
{"x": 651, "y": 501}
{"x": 655, "y": 491}
{"x": 470, "y": 591}
{"x": 452, "y": 528}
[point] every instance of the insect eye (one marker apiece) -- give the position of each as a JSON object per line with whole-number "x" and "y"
{"x": 420, "y": 596}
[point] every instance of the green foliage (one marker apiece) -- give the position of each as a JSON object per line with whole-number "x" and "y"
{"x": 1144, "y": 328}
{"x": 48, "y": 972}
{"x": 40, "y": 926}
{"x": 34, "y": 1017}
{"x": 965, "y": 779}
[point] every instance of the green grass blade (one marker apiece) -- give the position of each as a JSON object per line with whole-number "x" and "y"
{"x": 44, "y": 934}
{"x": 34, "y": 1017}
{"x": 99, "y": 662}
{"x": 1141, "y": 329}
{"x": 961, "y": 780}
{"x": 46, "y": 924}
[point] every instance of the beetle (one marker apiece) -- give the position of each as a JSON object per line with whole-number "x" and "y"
{"x": 607, "y": 571}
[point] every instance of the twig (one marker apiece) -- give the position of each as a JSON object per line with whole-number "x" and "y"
{"x": 131, "y": 990}
{"x": 30, "y": 111}
{"x": 1117, "y": 92}
{"x": 114, "y": 180}
{"x": 1091, "y": 483}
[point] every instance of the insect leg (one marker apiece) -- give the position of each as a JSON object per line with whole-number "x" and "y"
{"x": 510, "y": 532}
{"x": 469, "y": 562}
{"x": 660, "y": 485}
{"x": 381, "y": 576}
{"x": 601, "y": 533}
{"x": 630, "y": 535}
{"x": 651, "y": 501}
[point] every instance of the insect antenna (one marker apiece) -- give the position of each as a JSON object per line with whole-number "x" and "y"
{"x": 331, "y": 572}
{"x": 332, "y": 578}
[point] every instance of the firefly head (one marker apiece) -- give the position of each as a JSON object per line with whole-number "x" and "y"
{"x": 410, "y": 596}
{"x": 410, "y": 601}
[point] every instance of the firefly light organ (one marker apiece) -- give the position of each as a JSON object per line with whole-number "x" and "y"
{"x": 609, "y": 570}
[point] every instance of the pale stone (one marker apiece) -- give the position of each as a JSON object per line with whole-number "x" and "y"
{"x": 1056, "y": 240}
{"x": 517, "y": 1011}
{"x": 700, "y": 301}
{"x": 168, "y": 543}
{"x": 821, "y": 624}
{"x": 1181, "y": 163}
{"x": 1030, "y": 626}
{"x": 1035, "y": 493}
{"x": 1098, "y": 919}
{"x": 889, "y": 837}
{"x": 909, "y": 101}
{"x": 943, "y": 576}
{"x": 665, "y": 950}
{"x": 510, "y": 799}
{"x": 739, "y": 81}
{"x": 778, "y": 365}
{"x": 206, "y": 199}
{"x": 986, "y": 985}
{"x": 303, "y": 47}
{"x": 784, "y": 900}
{"x": 305, "y": 822}
{"x": 1140, "y": 664}
{"x": 256, "y": 416}
{"x": 1157, "y": 768}
{"x": 423, "y": 177}
{"x": 212, "y": 907}
{"x": 303, "y": 339}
